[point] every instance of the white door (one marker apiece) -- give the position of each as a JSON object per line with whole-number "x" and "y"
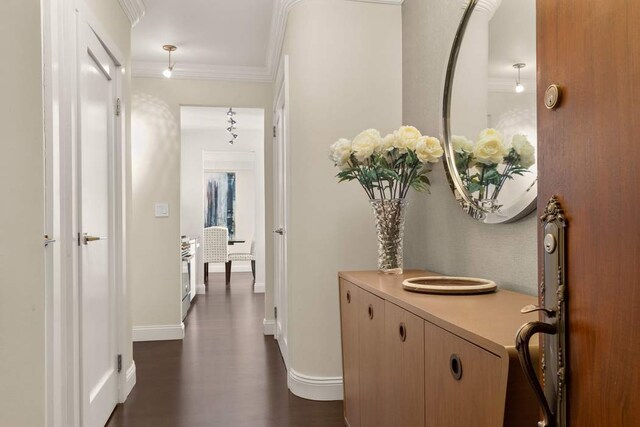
{"x": 280, "y": 233}
{"x": 98, "y": 346}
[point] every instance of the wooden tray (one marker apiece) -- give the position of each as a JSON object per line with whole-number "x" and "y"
{"x": 446, "y": 285}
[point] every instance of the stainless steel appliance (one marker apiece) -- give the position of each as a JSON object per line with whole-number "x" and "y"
{"x": 187, "y": 247}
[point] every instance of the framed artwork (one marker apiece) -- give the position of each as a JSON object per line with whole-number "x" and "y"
{"x": 220, "y": 200}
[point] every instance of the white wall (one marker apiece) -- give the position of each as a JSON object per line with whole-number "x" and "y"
{"x": 207, "y": 149}
{"x": 22, "y": 293}
{"x": 345, "y": 76}
{"x": 440, "y": 236}
{"x": 156, "y": 161}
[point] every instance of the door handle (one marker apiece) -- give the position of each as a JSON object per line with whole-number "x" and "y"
{"x": 279, "y": 231}
{"x": 86, "y": 239}
{"x": 533, "y": 308}
{"x": 551, "y": 389}
{"x": 524, "y": 335}
{"x": 47, "y": 240}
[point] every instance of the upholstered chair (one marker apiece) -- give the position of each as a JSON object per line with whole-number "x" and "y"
{"x": 215, "y": 241}
{"x": 251, "y": 256}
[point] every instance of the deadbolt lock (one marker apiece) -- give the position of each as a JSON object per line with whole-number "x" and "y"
{"x": 552, "y": 96}
{"x": 550, "y": 243}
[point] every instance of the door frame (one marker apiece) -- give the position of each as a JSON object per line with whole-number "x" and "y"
{"x": 62, "y": 41}
{"x": 281, "y": 106}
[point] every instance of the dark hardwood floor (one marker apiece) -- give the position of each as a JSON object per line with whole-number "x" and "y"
{"x": 224, "y": 373}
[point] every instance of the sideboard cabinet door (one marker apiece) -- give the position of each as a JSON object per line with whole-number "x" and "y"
{"x": 371, "y": 329}
{"x": 350, "y": 352}
{"x": 462, "y": 382}
{"x": 404, "y": 368}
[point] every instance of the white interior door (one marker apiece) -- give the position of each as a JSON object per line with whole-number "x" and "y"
{"x": 280, "y": 233}
{"x": 98, "y": 346}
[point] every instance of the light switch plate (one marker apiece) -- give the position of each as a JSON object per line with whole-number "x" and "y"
{"x": 162, "y": 210}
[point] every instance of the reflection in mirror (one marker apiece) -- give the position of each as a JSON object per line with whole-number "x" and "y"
{"x": 489, "y": 110}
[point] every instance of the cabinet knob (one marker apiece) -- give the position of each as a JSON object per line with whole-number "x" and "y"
{"x": 403, "y": 332}
{"x": 370, "y": 311}
{"x": 455, "y": 364}
{"x": 348, "y": 297}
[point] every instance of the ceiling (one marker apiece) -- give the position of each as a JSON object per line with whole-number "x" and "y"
{"x": 212, "y": 118}
{"x": 512, "y": 39}
{"x": 212, "y": 36}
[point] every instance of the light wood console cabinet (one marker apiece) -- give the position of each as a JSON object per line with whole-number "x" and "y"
{"x": 429, "y": 360}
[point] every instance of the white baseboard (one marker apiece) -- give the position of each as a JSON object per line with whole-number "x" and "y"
{"x": 269, "y": 326}
{"x": 315, "y": 388}
{"x": 201, "y": 289}
{"x": 258, "y": 288}
{"x": 158, "y": 332}
{"x": 129, "y": 381}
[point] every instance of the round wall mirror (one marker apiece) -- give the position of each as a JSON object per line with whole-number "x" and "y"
{"x": 489, "y": 110}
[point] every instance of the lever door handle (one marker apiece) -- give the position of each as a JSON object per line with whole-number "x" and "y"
{"x": 86, "y": 239}
{"x": 534, "y": 308}
{"x": 279, "y": 231}
{"x": 524, "y": 335}
{"x": 47, "y": 240}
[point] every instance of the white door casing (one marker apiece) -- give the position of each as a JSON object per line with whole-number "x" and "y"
{"x": 280, "y": 175}
{"x": 96, "y": 215}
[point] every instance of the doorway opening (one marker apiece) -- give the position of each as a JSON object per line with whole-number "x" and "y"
{"x": 223, "y": 186}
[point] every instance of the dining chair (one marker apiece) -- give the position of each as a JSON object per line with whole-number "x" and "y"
{"x": 251, "y": 256}
{"x": 215, "y": 243}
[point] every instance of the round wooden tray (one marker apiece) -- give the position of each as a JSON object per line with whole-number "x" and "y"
{"x": 445, "y": 285}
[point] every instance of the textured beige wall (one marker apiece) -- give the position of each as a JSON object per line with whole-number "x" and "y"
{"x": 155, "y": 244}
{"x": 22, "y": 295}
{"x": 440, "y": 236}
{"x": 345, "y": 76}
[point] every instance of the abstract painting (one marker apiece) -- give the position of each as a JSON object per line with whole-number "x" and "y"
{"x": 220, "y": 200}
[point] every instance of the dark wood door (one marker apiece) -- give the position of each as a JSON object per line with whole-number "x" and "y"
{"x": 589, "y": 156}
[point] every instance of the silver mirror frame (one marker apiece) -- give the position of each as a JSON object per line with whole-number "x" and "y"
{"x": 458, "y": 188}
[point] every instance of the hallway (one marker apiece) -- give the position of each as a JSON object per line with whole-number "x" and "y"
{"x": 224, "y": 373}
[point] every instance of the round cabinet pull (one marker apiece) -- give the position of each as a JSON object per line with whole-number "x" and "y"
{"x": 370, "y": 311}
{"x": 348, "y": 297}
{"x": 403, "y": 332}
{"x": 456, "y": 367}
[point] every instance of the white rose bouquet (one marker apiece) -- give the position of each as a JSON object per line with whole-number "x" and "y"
{"x": 388, "y": 167}
{"x": 486, "y": 165}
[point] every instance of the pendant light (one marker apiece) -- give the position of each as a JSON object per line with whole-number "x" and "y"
{"x": 519, "y": 66}
{"x": 169, "y": 70}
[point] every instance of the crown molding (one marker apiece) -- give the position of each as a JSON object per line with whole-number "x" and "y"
{"x": 203, "y": 72}
{"x": 134, "y": 9}
{"x": 276, "y": 37}
{"x": 232, "y": 73}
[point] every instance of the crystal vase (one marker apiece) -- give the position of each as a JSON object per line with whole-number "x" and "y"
{"x": 389, "y": 218}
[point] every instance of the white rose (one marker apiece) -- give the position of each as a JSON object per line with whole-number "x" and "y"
{"x": 461, "y": 144}
{"x": 490, "y": 150}
{"x": 407, "y": 137}
{"x": 524, "y": 149}
{"x": 490, "y": 132}
{"x": 365, "y": 144}
{"x": 340, "y": 152}
{"x": 429, "y": 149}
